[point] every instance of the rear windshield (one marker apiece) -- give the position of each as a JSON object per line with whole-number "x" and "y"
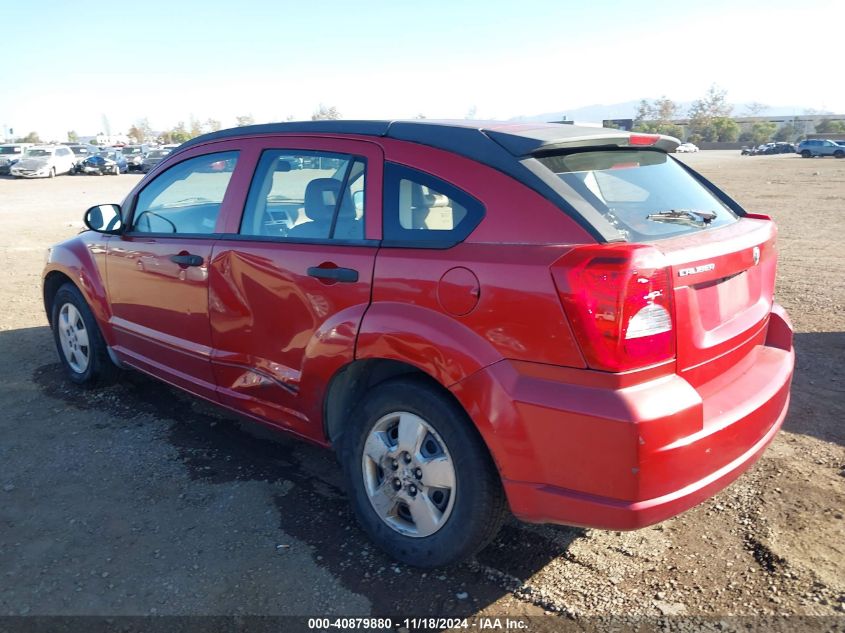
{"x": 644, "y": 194}
{"x": 131, "y": 150}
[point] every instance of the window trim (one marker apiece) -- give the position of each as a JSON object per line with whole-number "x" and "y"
{"x": 441, "y": 240}
{"x": 352, "y": 159}
{"x": 130, "y": 212}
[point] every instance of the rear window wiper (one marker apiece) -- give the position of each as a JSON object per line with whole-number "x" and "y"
{"x": 691, "y": 217}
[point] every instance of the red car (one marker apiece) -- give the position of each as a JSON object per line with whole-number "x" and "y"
{"x": 564, "y": 321}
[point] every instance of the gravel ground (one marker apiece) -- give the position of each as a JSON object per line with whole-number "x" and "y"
{"x": 140, "y": 500}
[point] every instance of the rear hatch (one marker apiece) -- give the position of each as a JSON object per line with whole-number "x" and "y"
{"x": 723, "y": 283}
{"x": 719, "y": 265}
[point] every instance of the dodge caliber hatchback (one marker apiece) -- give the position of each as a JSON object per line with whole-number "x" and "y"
{"x": 562, "y": 321}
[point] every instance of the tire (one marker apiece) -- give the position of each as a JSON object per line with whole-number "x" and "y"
{"x": 419, "y": 523}
{"x": 80, "y": 344}
{"x": 839, "y": 154}
{"x": 806, "y": 154}
{"x": 52, "y": 173}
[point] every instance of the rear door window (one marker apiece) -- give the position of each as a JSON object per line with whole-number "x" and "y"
{"x": 304, "y": 194}
{"x": 644, "y": 194}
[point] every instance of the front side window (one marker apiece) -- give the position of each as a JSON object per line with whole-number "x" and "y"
{"x": 644, "y": 194}
{"x": 421, "y": 208}
{"x": 306, "y": 195}
{"x": 187, "y": 197}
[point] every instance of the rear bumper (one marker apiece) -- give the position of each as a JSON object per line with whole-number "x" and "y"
{"x": 627, "y": 454}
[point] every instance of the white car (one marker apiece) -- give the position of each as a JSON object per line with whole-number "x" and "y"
{"x": 687, "y": 147}
{"x": 44, "y": 161}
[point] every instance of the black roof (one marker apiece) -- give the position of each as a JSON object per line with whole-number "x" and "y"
{"x": 519, "y": 139}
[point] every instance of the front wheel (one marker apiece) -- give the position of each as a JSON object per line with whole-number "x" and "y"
{"x": 420, "y": 479}
{"x": 81, "y": 347}
{"x": 806, "y": 154}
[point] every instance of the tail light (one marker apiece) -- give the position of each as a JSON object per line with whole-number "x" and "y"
{"x": 618, "y": 299}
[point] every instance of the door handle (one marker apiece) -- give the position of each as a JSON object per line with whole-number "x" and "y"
{"x": 347, "y": 275}
{"x": 187, "y": 260}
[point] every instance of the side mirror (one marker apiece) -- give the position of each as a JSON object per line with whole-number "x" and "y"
{"x": 104, "y": 218}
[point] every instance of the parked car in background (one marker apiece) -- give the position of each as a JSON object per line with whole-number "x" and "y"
{"x": 107, "y": 161}
{"x": 153, "y": 158}
{"x": 768, "y": 148}
{"x": 686, "y": 147}
{"x": 610, "y": 356}
{"x": 10, "y": 153}
{"x": 134, "y": 155}
{"x": 820, "y": 147}
{"x": 44, "y": 161}
{"x": 81, "y": 151}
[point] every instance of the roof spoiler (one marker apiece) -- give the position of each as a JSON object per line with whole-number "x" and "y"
{"x": 634, "y": 140}
{"x": 557, "y": 138}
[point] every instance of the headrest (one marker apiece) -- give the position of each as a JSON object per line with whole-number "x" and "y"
{"x": 436, "y": 200}
{"x": 282, "y": 165}
{"x": 321, "y": 198}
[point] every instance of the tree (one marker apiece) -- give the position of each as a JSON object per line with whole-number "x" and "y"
{"x": 246, "y": 119}
{"x": 762, "y": 131}
{"x": 135, "y": 134}
{"x": 32, "y": 137}
{"x": 323, "y": 113}
{"x": 658, "y": 127}
{"x": 655, "y": 117}
{"x": 703, "y": 111}
{"x": 724, "y": 130}
{"x": 786, "y": 133}
{"x": 178, "y": 134}
{"x": 72, "y": 136}
{"x": 142, "y": 130}
{"x": 196, "y": 127}
{"x": 829, "y": 126}
{"x": 213, "y": 125}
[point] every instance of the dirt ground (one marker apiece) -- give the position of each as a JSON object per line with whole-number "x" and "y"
{"x": 140, "y": 500}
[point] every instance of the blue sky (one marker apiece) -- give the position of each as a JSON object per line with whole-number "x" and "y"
{"x": 69, "y": 63}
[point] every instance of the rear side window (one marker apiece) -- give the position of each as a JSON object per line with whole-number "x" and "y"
{"x": 421, "y": 210}
{"x": 644, "y": 194}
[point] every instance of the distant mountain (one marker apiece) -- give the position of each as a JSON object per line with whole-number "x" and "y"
{"x": 628, "y": 109}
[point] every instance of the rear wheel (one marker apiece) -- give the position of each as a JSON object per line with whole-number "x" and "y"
{"x": 420, "y": 479}
{"x": 806, "y": 154}
{"x": 839, "y": 154}
{"x": 81, "y": 347}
